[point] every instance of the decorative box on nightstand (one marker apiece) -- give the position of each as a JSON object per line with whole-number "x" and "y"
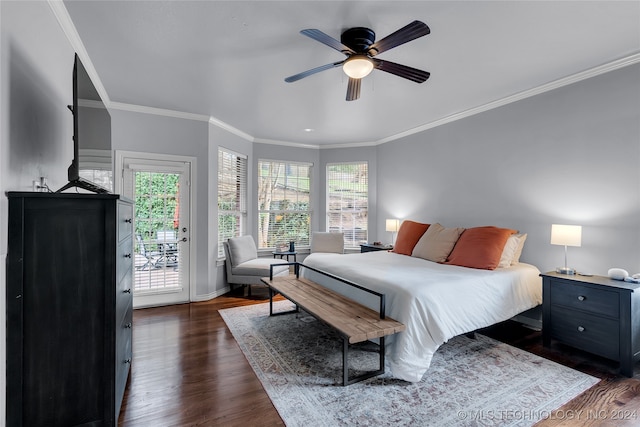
{"x": 593, "y": 313}
{"x": 369, "y": 247}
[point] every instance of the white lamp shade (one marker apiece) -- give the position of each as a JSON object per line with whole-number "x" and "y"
{"x": 393, "y": 225}
{"x": 566, "y": 235}
{"x": 357, "y": 67}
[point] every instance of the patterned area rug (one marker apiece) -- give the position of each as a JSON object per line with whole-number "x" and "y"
{"x": 470, "y": 382}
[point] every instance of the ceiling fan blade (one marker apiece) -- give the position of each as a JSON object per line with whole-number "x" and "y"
{"x": 328, "y": 40}
{"x": 353, "y": 89}
{"x": 409, "y": 73}
{"x": 307, "y": 73}
{"x": 405, "y": 34}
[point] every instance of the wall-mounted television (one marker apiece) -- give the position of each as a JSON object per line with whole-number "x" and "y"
{"x": 92, "y": 165}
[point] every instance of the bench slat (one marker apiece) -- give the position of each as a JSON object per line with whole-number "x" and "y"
{"x": 353, "y": 320}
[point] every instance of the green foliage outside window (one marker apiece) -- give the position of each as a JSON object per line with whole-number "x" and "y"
{"x": 156, "y": 203}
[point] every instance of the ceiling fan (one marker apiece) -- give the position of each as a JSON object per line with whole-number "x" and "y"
{"x": 360, "y": 47}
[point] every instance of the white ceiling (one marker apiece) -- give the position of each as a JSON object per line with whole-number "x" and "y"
{"x": 228, "y": 59}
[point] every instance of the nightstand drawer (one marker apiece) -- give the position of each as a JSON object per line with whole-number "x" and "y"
{"x": 598, "y": 301}
{"x": 594, "y": 334}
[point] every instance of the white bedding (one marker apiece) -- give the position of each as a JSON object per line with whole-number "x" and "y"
{"x": 436, "y": 302}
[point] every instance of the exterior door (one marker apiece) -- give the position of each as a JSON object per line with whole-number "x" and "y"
{"x": 161, "y": 191}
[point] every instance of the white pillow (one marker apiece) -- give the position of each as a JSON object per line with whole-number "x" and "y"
{"x": 512, "y": 250}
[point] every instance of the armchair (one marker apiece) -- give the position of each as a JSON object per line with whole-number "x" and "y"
{"x": 242, "y": 265}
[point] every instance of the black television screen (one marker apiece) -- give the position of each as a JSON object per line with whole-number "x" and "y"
{"x": 92, "y": 164}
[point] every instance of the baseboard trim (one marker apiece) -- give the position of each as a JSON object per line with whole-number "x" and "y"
{"x": 212, "y": 295}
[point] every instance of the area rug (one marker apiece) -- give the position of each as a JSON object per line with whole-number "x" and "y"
{"x": 471, "y": 381}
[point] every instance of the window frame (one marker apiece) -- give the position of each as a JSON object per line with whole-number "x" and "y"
{"x": 350, "y": 241}
{"x": 287, "y": 165}
{"x": 241, "y": 178}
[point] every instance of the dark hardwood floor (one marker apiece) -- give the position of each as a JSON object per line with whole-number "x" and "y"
{"x": 188, "y": 370}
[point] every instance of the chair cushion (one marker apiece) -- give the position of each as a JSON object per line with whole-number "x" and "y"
{"x": 242, "y": 249}
{"x": 327, "y": 242}
{"x": 259, "y": 267}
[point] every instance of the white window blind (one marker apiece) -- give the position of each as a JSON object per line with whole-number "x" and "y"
{"x": 232, "y": 196}
{"x": 348, "y": 201}
{"x": 284, "y": 212}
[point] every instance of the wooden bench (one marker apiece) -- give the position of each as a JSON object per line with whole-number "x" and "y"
{"x": 354, "y": 322}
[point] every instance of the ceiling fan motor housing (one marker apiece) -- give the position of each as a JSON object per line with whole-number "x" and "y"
{"x": 358, "y": 38}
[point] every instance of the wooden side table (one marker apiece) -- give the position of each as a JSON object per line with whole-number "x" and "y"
{"x": 368, "y": 247}
{"x": 593, "y": 313}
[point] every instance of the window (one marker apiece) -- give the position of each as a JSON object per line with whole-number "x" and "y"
{"x": 284, "y": 212}
{"x": 348, "y": 201}
{"x": 232, "y": 196}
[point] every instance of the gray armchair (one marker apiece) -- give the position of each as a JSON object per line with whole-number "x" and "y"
{"x": 242, "y": 265}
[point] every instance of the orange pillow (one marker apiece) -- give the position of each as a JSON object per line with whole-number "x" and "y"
{"x": 480, "y": 247}
{"x": 408, "y": 235}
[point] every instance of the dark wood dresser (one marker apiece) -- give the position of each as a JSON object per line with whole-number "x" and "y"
{"x": 69, "y": 308}
{"x": 595, "y": 314}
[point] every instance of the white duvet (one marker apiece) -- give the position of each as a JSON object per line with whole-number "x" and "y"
{"x": 436, "y": 302}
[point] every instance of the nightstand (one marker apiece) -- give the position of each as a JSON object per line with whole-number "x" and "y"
{"x": 593, "y": 313}
{"x": 368, "y": 247}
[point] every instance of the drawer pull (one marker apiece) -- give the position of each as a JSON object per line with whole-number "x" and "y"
{"x": 128, "y": 220}
{"x": 581, "y": 298}
{"x": 580, "y": 328}
{"x": 128, "y": 326}
{"x": 127, "y": 291}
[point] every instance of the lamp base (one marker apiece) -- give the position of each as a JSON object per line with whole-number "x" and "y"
{"x": 565, "y": 270}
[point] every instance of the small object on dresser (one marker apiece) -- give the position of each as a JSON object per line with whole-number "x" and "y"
{"x": 292, "y": 246}
{"x": 617, "y": 273}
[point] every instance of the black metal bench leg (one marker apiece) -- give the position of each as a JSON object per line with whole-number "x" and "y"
{"x": 345, "y": 361}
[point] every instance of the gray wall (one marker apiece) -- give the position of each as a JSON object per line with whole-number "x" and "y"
{"x": 569, "y": 156}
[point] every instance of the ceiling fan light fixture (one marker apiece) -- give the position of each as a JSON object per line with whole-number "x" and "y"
{"x": 358, "y": 66}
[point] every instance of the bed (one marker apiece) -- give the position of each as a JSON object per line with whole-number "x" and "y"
{"x": 435, "y": 301}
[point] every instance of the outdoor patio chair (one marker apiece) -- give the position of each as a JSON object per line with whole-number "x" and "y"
{"x": 145, "y": 258}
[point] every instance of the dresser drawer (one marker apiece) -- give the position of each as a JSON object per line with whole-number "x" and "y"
{"x": 124, "y": 260}
{"x": 592, "y": 300}
{"x": 124, "y": 299}
{"x": 124, "y": 356}
{"x": 591, "y": 333}
{"x": 125, "y": 221}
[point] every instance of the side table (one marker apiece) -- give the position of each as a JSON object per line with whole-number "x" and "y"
{"x": 287, "y": 254}
{"x": 369, "y": 247}
{"x": 593, "y": 313}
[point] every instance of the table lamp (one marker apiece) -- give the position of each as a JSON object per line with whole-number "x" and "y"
{"x": 393, "y": 225}
{"x": 567, "y": 235}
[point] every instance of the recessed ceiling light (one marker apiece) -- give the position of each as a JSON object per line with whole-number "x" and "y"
{"x": 308, "y": 130}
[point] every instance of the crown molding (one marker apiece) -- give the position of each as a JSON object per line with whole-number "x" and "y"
{"x": 69, "y": 29}
{"x": 158, "y": 111}
{"x": 231, "y": 129}
{"x": 555, "y": 84}
{"x": 62, "y": 15}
